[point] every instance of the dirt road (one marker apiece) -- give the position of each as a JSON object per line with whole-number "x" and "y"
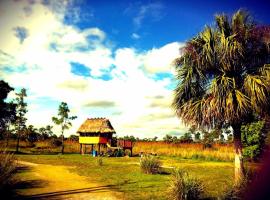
{"x": 50, "y": 182}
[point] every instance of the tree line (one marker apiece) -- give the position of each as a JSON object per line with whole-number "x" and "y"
{"x": 13, "y": 119}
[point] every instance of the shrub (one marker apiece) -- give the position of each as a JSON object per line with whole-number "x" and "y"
{"x": 150, "y": 165}
{"x": 184, "y": 187}
{"x": 119, "y": 153}
{"x": 253, "y": 139}
{"x": 56, "y": 142}
{"x": 7, "y": 168}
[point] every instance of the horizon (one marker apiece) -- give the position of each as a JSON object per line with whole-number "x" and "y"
{"x": 104, "y": 59}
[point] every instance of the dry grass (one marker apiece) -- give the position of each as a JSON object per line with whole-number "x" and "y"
{"x": 183, "y": 150}
{"x": 188, "y": 151}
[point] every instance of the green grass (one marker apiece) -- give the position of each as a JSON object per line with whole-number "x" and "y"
{"x": 124, "y": 173}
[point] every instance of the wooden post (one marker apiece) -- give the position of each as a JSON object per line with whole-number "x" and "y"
{"x": 84, "y": 148}
{"x": 98, "y": 149}
{"x": 80, "y": 148}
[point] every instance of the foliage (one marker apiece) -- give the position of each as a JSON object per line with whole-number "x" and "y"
{"x": 208, "y": 139}
{"x": 253, "y": 139}
{"x": 64, "y": 120}
{"x": 118, "y": 153}
{"x": 150, "y": 164}
{"x": 7, "y": 110}
{"x": 56, "y": 142}
{"x": 224, "y": 76}
{"x": 197, "y": 137}
{"x": 186, "y": 138}
{"x": 21, "y": 110}
{"x": 45, "y": 132}
{"x": 184, "y": 187}
{"x": 74, "y": 137}
{"x": 127, "y": 137}
{"x": 167, "y": 138}
{"x": 7, "y": 168}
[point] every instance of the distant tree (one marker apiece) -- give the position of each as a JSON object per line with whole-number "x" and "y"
{"x": 154, "y": 139}
{"x": 208, "y": 138}
{"x": 186, "y": 138}
{"x": 63, "y": 120}
{"x": 224, "y": 76}
{"x": 7, "y": 111}
{"x": 31, "y": 134}
{"x": 45, "y": 132}
{"x": 175, "y": 139}
{"x": 197, "y": 137}
{"x": 74, "y": 137}
{"x": 167, "y": 138}
{"x": 21, "y": 110}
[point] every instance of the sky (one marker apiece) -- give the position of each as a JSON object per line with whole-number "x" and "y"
{"x": 109, "y": 59}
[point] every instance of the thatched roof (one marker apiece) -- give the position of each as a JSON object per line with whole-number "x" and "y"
{"x": 96, "y": 125}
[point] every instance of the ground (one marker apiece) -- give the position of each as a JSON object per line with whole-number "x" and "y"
{"x": 118, "y": 178}
{"x": 59, "y": 182}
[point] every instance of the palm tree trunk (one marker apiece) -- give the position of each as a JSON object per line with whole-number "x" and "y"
{"x": 238, "y": 159}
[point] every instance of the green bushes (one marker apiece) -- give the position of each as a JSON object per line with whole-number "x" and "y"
{"x": 150, "y": 165}
{"x": 7, "y": 169}
{"x": 184, "y": 187}
{"x": 253, "y": 139}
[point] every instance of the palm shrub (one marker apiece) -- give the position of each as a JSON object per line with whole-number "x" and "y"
{"x": 7, "y": 168}
{"x": 150, "y": 164}
{"x": 183, "y": 186}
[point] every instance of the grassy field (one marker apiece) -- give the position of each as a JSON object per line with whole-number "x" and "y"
{"x": 183, "y": 150}
{"x": 187, "y": 150}
{"x": 124, "y": 173}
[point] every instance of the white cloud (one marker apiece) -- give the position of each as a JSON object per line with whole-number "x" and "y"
{"x": 160, "y": 60}
{"x": 41, "y": 63}
{"x": 135, "y": 36}
{"x": 152, "y": 11}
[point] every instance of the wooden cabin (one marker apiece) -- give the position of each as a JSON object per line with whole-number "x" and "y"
{"x": 95, "y": 131}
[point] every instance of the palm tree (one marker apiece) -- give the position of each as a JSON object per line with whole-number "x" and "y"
{"x": 224, "y": 76}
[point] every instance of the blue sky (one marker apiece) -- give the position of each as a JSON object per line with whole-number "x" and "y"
{"x": 108, "y": 59}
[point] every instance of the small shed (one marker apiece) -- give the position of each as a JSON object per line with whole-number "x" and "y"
{"x": 95, "y": 131}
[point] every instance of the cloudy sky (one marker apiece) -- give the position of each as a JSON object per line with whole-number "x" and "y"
{"x": 104, "y": 58}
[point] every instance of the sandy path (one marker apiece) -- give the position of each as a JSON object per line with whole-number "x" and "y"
{"x": 58, "y": 182}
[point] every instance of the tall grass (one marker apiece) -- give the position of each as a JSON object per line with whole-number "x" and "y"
{"x": 187, "y": 150}
{"x": 150, "y": 165}
{"x": 184, "y": 187}
{"x": 184, "y": 150}
{"x": 7, "y": 169}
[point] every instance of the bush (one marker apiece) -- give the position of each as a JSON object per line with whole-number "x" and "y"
{"x": 56, "y": 142}
{"x": 184, "y": 187}
{"x": 150, "y": 165}
{"x": 119, "y": 153}
{"x": 253, "y": 139}
{"x": 7, "y": 169}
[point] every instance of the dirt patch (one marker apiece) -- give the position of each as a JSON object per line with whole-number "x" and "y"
{"x": 59, "y": 182}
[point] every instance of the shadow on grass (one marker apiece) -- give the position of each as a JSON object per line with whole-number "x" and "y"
{"x": 59, "y": 194}
{"x": 10, "y": 192}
